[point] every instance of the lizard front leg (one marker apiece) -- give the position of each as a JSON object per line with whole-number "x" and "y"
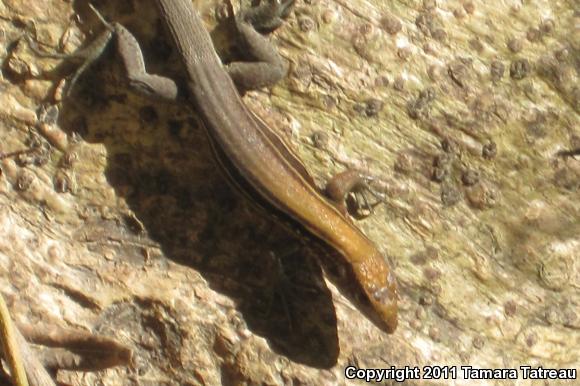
{"x": 340, "y": 187}
{"x": 267, "y": 69}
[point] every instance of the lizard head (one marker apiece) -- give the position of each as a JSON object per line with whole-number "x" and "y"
{"x": 369, "y": 284}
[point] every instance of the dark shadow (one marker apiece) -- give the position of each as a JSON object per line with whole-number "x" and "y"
{"x": 159, "y": 161}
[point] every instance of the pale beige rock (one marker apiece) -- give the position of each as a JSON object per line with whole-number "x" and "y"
{"x": 149, "y": 246}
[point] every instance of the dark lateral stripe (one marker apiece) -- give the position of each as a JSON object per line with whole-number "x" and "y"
{"x": 266, "y": 203}
{"x": 288, "y": 154}
{"x": 214, "y": 113}
{"x": 243, "y": 186}
{"x": 290, "y": 160}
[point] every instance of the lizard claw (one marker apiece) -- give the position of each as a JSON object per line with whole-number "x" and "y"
{"x": 349, "y": 191}
{"x": 359, "y": 206}
{"x": 268, "y": 16}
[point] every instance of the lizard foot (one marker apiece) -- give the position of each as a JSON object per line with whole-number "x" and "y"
{"x": 349, "y": 191}
{"x": 268, "y": 15}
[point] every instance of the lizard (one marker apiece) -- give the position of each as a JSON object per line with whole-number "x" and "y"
{"x": 255, "y": 159}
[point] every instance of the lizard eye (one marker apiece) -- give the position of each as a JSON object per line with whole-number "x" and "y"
{"x": 384, "y": 295}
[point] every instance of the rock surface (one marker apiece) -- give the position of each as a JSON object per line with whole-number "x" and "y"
{"x": 113, "y": 218}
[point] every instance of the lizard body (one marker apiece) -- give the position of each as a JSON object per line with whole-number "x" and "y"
{"x": 256, "y": 159}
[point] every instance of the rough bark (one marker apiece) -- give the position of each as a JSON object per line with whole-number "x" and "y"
{"x": 114, "y": 220}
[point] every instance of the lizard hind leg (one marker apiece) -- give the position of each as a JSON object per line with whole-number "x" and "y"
{"x": 151, "y": 85}
{"x": 87, "y": 55}
{"x": 268, "y": 16}
{"x": 265, "y": 67}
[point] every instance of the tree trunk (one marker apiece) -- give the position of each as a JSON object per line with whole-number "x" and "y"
{"x": 115, "y": 220}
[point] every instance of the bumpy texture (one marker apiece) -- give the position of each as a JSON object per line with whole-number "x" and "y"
{"x": 113, "y": 218}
